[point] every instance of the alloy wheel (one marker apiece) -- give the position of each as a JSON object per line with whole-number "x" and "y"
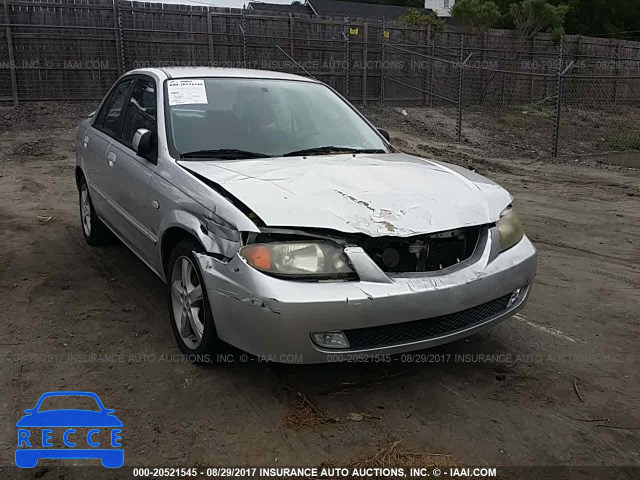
{"x": 85, "y": 209}
{"x": 187, "y": 302}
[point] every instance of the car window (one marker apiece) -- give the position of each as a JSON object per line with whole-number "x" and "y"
{"x": 141, "y": 110}
{"x": 270, "y": 117}
{"x": 110, "y": 117}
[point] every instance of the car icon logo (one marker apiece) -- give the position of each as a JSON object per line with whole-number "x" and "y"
{"x": 85, "y": 433}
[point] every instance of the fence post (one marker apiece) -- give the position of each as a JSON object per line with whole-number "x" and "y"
{"x": 347, "y": 58}
{"x": 382, "y": 44}
{"x": 617, "y": 73}
{"x": 503, "y": 78}
{"x": 117, "y": 24}
{"x": 12, "y": 62}
{"x": 291, "y": 36}
{"x": 460, "y": 93}
{"x": 556, "y": 131}
{"x": 365, "y": 48}
{"x": 244, "y": 38}
{"x": 212, "y": 58}
{"x": 532, "y": 48}
{"x": 426, "y": 41}
{"x": 431, "y": 67}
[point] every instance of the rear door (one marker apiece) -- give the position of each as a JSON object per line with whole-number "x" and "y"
{"x": 95, "y": 143}
{"x": 130, "y": 191}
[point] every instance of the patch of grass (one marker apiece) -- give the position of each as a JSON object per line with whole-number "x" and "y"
{"x": 304, "y": 414}
{"x": 522, "y": 115}
{"x": 512, "y": 120}
{"x": 624, "y": 141}
{"x": 536, "y": 110}
{"x": 392, "y": 454}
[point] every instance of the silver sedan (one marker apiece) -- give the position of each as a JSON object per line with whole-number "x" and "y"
{"x": 287, "y": 225}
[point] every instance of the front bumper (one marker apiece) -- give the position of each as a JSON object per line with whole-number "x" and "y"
{"x": 274, "y": 318}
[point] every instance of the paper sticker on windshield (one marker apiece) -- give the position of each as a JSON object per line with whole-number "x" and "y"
{"x": 187, "y": 92}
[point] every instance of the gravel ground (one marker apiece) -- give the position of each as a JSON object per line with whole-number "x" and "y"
{"x": 556, "y": 385}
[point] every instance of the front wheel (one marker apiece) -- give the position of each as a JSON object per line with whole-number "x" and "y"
{"x": 189, "y": 309}
{"x": 94, "y": 231}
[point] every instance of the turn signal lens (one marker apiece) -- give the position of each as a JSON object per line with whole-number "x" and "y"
{"x": 258, "y": 256}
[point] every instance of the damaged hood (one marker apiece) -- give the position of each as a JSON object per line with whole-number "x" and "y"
{"x": 377, "y": 195}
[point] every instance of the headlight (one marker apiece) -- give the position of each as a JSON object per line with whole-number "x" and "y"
{"x": 298, "y": 259}
{"x": 510, "y": 229}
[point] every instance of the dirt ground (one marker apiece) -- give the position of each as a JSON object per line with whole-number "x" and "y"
{"x": 559, "y": 384}
{"x": 586, "y": 137}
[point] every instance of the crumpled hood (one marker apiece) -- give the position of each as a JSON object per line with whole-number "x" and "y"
{"x": 378, "y": 195}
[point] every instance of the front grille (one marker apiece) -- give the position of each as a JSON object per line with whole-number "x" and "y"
{"x": 419, "y": 330}
{"x": 423, "y": 253}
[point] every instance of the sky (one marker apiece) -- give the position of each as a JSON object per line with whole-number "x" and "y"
{"x": 218, "y": 3}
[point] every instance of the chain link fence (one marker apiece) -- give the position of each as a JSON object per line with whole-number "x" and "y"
{"x": 599, "y": 115}
{"x": 536, "y": 96}
{"x": 539, "y": 98}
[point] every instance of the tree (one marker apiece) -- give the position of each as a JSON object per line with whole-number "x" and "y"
{"x": 598, "y": 18}
{"x": 481, "y": 14}
{"x": 533, "y": 16}
{"x": 619, "y": 18}
{"x": 419, "y": 18}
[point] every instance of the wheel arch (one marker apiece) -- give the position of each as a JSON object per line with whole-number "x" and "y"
{"x": 170, "y": 238}
{"x": 79, "y": 176}
{"x": 180, "y": 224}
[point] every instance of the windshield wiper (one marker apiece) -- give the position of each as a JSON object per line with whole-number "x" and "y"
{"x": 223, "y": 154}
{"x": 331, "y": 149}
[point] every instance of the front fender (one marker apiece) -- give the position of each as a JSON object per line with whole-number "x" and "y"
{"x": 194, "y": 225}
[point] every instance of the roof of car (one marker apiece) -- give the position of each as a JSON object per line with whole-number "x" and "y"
{"x": 190, "y": 72}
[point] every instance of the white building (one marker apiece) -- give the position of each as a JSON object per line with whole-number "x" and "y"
{"x": 441, "y": 7}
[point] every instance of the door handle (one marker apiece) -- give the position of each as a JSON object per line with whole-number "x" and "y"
{"x": 111, "y": 158}
{"x": 85, "y": 141}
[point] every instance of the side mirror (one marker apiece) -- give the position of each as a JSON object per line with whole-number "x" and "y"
{"x": 29, "y": 410}
{"x": 143, "y": 142}
{"x": 385, "y": 134}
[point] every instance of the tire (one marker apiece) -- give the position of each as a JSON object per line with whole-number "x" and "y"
{"x": 94, "y": 231}
{"x": 194, "y": 330}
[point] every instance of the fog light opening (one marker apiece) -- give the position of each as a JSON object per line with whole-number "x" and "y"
{"x": 330, "y": 339}
{"x": 514, "y": 297}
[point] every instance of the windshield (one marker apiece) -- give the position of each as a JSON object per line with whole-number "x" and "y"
{"x": 258, "y": 118}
